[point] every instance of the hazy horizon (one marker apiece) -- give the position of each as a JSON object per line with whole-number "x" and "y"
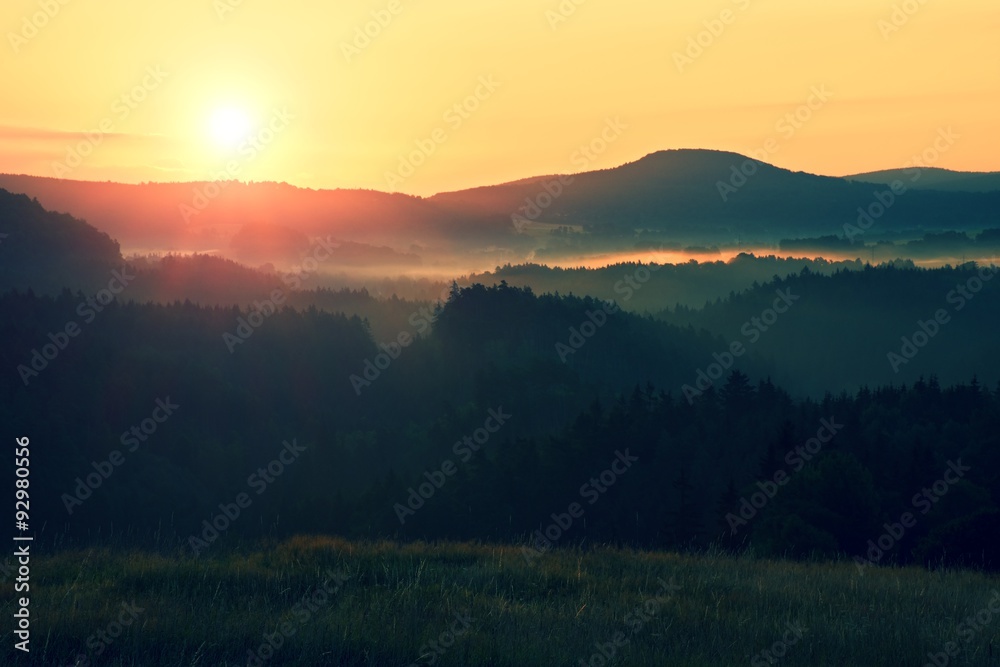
{"x": 689, "y": 75}
{"x": 517, "y": 179}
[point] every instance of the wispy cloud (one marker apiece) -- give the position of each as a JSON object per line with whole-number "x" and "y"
{"x": 14, "y": 133}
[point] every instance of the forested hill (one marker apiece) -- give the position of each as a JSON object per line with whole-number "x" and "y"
{"x": 150, "y": 420}
{"x": 878, "y": 326}
{"x": 703, "y": 196}
{"x": 245, "y": 380}
{"x": 48, "y": 251}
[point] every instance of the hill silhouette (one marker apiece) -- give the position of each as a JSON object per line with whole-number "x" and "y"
{"x": 184, "y": 216}
{"x": 696, "y": 196}
{"x": 47, "y": 251}
{"x": 704, "y": 194}
{"x": 932, "y": 178}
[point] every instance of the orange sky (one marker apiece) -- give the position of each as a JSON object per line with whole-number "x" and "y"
{"x": 169, "y": 91}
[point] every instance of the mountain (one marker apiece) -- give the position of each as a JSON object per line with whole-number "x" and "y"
{"x": 692, "y": 196}
{"x": 699, "y": 194}
{"x": 48, "y": 251}
{"x": 932, "y": 178}
{"x": 209, "y": 216}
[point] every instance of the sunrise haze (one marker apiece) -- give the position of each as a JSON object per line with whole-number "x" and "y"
{"x": 534, "y": 82}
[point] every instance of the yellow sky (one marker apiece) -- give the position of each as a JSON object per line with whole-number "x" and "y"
{"x": 534, "y": 80}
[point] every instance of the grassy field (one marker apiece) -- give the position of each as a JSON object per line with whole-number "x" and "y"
{"x": 326, "y": 601}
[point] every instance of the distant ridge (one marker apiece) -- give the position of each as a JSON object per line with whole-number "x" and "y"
{"x": 704, "y": 192}
{"x": 698, "y": 196}
{"x": 932, "y": 178}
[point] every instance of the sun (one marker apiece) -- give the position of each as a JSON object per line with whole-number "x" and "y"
{"x": 229, "y": 126}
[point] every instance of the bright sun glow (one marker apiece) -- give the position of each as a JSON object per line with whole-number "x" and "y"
{"x": 229, "y": 126}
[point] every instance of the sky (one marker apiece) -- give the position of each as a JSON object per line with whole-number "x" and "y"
{"x": 423, "y": 97}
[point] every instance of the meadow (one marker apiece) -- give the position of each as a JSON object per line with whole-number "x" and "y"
{"x": 315, "y": 600}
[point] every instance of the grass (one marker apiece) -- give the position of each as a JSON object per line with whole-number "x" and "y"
{"x": 398, "y": 597}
